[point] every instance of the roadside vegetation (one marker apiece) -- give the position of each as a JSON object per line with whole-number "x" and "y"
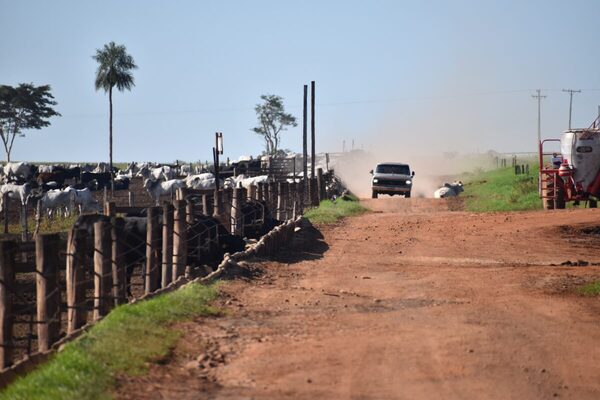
{"x": 590, "y": 289}
{"x": 125, "y": 342}
{"x": 502, "y": 190}
{"x": 329, "y": 211}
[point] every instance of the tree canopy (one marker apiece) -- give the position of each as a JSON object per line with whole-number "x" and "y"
{"x": 272, "y": 120}
{"x": 114, "y": 68}
{"x": 23, "y": 107}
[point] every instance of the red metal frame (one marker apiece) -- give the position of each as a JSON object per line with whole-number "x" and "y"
{"x": 572, "y": 191}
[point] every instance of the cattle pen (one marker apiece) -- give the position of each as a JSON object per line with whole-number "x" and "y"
{"x": 54, "y": 287}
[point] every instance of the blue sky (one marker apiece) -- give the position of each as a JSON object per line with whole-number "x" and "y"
{"x": 426, "y": 76}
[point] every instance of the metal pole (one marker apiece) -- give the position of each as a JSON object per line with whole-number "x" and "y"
{"x": 570, "y": 91}
{"x": 312, "y": 129}
{"x": 304, "y": 135}
{"x": 304, "y": 142}
{"x": 539, "y": 98}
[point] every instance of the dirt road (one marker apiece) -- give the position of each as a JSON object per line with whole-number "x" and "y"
{"x": 410, "y": 301}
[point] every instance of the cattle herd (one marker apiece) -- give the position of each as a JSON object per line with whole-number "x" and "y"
{"x": 59, "y": 190}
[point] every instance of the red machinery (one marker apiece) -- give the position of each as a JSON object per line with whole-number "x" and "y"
{"x": 574, "y": 173}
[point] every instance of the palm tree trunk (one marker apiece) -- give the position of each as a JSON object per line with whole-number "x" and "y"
{"x": 110, "y": 138}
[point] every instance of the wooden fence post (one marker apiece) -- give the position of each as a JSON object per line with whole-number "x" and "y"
{"x": 7, "y": 274}
{"x": 181, "y": 193}
{"x": 5, "y": 209}
{"x": 24, "y": 227}
{"x": 179, "y": 240}
{"x": 152, "y": 235}
{"x": 119, "y": 269}
{"x": 280, "y": 201}
{"x": 167, "y": 245}
{"x": 237, "y": 218}
{"x": 102, "y": 269}
{"x": 252, "y": 192}
{"x": 205, "y": 209}
{"x": 218, "y": 204}
{"x": 320, "y": 185}
{"x": 272, "y": 201}
{"x": 259, "y": 191}
{"x": 131, "y": 199}
{"x": 110, "y": 208}
{"x": 314, "y": 195}
{"x": 75, "y": 276}
{"x": 293, "y": 200}
{"x": 189, "y": 219}
{"x": 265, "y": 196}
{"x": 47, "y": 289}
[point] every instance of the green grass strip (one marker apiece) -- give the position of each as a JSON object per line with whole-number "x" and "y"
{"x": 591, "y": 289}
{"x": 329, "y": 211}
{"x": 502, "y": 190}
{"x": 125, "y": 342}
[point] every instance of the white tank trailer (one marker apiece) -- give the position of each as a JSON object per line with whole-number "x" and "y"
{"x": 574, "y": 174}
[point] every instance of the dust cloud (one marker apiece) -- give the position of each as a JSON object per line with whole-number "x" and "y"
{"x": 430, "y": 171}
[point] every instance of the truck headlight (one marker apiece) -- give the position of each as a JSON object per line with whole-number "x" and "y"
{"x": 408, "y": 182}
{"x": 375, "y": 180}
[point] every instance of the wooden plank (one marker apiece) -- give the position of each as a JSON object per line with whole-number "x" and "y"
{"x": 152, "y": 236}
{"x": 47, "y": 290}
{"x": 102, "y": 269}
{"x": 179, "y": 240}
{"x": 75, "y": 276}
{"x": 7, "y": 259}
{"x": 167, "y": 245}
{"x": 118, "y": 267}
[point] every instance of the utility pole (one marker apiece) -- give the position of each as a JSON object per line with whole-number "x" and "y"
{"x": 304, "y": 143}
{"x": 571, "y": 91}
{"x": 539, "y": 98}
{"x": 312, "y": 130}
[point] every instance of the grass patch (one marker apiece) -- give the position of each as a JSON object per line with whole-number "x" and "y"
{"x": 502, "y": 190}
{"x": 329, "y": 211}
{"x": 125, "y": 342}
{"x": 46, "y": 226}
{"x": 590, "y": 289}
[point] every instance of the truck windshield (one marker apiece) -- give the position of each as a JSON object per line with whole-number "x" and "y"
{"x": 393, "y": 169}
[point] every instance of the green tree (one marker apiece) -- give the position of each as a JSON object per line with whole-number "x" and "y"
{"x": 114, "y": 69}
{"x": 272, "y": 120}
{"x": 23, "y": 107}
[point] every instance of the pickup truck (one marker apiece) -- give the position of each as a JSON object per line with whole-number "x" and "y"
{"x": 392, "y": 178}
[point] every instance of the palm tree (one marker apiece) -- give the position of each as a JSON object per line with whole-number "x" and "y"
{"x": 114, "y": 69}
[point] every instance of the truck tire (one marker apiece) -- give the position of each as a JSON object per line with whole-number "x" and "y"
{"x": 374, "y": 195}
{"x": 548, "y": 188}
{"x": 407, "y": 195}
{"x": 592, "y": 203}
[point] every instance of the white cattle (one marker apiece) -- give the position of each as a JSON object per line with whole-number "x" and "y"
{"x": 14, "y": 191}
{"x": 156, "y": 174}
{"x": 45, "y": 168}
{"x": 198, "y": 181}
{"x": 84, "y": 200}
{"x": 244, "y": 182}
{"x": 101, "y": 167}
{"x": 158, "y": 189}
{"x": 57, "y": 200}
{"x": 449, "y": 190}
{"x": 186, "y": 170}
{"x": 18, "y": 170}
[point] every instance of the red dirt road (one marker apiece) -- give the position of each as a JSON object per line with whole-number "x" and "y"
{"x": 411, "y": 301}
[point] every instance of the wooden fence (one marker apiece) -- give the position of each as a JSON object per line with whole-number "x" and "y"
{"x": 53, "y": 286}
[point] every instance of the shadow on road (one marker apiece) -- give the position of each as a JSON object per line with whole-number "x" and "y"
{"x": 308, "y": 244}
